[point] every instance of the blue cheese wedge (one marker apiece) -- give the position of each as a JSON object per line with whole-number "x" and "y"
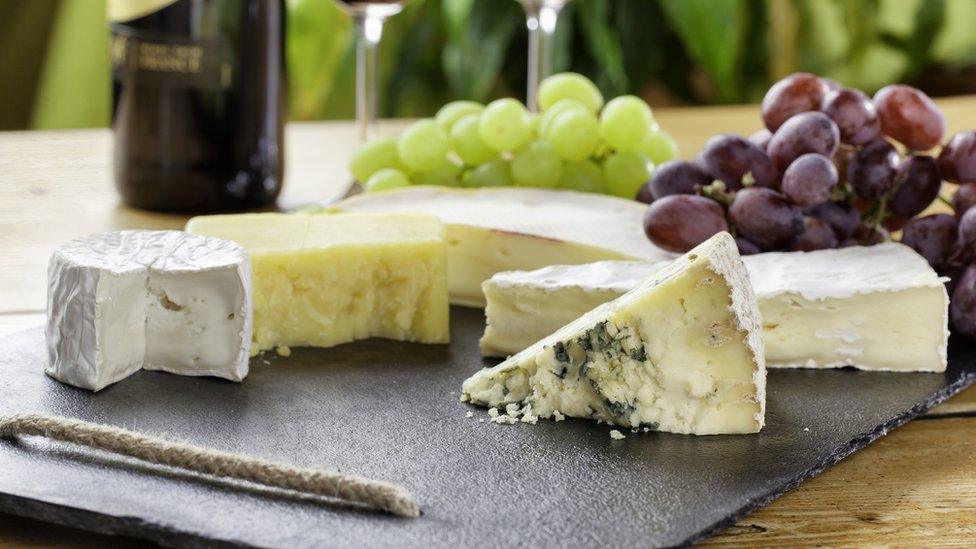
{"x": 681, "y": 352}
{"x": 156, "y": 300}
{"x": 491, "y": 230}
{"x": 873, "y": 308}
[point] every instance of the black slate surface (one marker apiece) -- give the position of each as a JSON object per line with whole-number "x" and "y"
{"x": 390, "y": 410}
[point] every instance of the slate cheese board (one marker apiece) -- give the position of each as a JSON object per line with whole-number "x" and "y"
{"x": 389, "y": 410}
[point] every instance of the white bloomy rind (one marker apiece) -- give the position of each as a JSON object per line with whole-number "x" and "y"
{"x": 680, "y": 352}
{"x": 490, "y": 230}
{"x": 160, "y": 300}
{"x": 857, "y": 306}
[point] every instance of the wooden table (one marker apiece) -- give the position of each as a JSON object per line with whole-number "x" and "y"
{"x": 916, "y": 486}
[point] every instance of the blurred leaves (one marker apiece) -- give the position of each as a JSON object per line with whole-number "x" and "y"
{"x": 671, "y": 51}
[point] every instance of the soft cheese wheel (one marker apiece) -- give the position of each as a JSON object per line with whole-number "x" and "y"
{"x": 490, "y": 230}
{"x": 874, "y": 308}
{"x": 163, "y": 300}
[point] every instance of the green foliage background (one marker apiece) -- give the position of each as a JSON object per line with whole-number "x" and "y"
{"x": 669, "y": 51}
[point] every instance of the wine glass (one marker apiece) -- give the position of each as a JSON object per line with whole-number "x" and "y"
{"x": 540, "y": 18}
{"x": 368, "y": 17}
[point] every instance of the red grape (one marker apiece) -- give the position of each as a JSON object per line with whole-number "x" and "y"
{"x": 730, "y": 157}
{"x": 895, "y": 223}
{"x": 841, "y": 217}
{"x": 953, "y": 273}
{"x": 917, "y": 184}
{"x": 809, "y": 180}
{"x": 842, "y": 159}
{"x": 831, "y": 83}
{"x": 854, "y": 114}
{"x": 964, "y": 198}
{"x": 765, "y": 217}
{"x": 816, "y": 235}
{"x": 679, "y": 222}
{"x": 644, "y": 194}
{"x": 678, "y": 177}
{"x": 962, "y": 308}
{"x": 761, "y": 139}
{"x": 910, "y": 117}
{"x": 966, "y": 235}
{"x": 809, "y": 132}
{"x": 746, "y": 247}
{"x": 798, "y": 92}
{"x": 958, "y": 158}
{"x": 933, "y": 236}
{"x": 871, "y": 172}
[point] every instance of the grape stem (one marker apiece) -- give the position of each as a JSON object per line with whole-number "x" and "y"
{"x": 718, "y": 192}
{"x": 945, "y": 201}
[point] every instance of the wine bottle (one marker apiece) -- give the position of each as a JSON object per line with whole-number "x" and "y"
{"x": 198, "y": 103}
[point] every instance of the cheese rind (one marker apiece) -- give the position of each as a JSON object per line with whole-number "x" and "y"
{"x": 322, "y": 280}
{"x": 490, "y": 230}
{"x": 159, "y": 300}
{"x": 681, "y": 352}
{"x": 873, "y": 308}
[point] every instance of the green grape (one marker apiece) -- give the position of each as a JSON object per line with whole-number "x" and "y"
{"x": 659, "y": 146}
{"x": 625, "y": 172}
{"x": 467, "y": 143}
{"x": 548, "y": 117}
{"x": 445, "y": 173}
{"x": 494, "y": 173}
{"x": 585, "y": 176}
{"x": 451, "y": 112}
{"x": 374, "y": 156}
{"x": 387, "y": 178}
{"x": 569, "y": 85}
{"x": 574, "y": 134}
{"x": 625, "y": 122}
{"x": 537, "y": 165}
{"x": 504, "y": 125}
{"x": 423, "y": 145}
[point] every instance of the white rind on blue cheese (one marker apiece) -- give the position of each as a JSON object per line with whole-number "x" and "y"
{"x": 874, "y": 308}
{"x": 160, "y": 300}
{"x": 681, "y": 352}
{"x": 490, "y": 230}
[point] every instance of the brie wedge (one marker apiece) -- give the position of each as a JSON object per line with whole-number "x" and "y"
{"x": 322, "y": 280}
{"x": 874, "y": 308}
{"x": 489, "y": 230}
{"x": 681, "y": 352}
{"x": 159, "y": 300}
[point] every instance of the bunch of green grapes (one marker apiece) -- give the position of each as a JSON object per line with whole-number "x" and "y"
{"x": 577, "y": 142}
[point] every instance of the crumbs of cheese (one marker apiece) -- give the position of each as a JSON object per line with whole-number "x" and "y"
{"x": 617, "y": 435}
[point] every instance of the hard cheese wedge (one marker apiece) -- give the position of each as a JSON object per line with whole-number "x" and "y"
{"x": 874, "y": 308}
{"x": 504, "y": 229}
{"x": 322, "y": 280}
{"x": 681, "y": 352}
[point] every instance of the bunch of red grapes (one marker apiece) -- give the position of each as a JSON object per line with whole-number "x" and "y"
{"x": 833, "y": 168}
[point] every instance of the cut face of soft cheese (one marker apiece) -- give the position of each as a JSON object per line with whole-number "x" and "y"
{"x": 159, "y": 300}
{"x": 490, "y": 230}
{"x": 874, "y": 308}
{"x": 681, "y": 352}
{"x": 322, "y": 280}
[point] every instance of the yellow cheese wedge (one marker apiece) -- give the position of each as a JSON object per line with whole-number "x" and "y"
{"x": 322, "y": 280}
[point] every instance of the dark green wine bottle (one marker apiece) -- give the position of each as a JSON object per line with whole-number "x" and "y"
{"x": 198, "y": 103}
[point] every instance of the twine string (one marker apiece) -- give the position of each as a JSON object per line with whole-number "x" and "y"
{"x": 370, "y": 493}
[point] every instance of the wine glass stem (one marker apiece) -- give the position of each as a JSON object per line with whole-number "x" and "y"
{"x": 369, "y": 31}
{"x": 541, "y": 22}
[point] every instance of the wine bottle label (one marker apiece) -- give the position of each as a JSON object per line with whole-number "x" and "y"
{"x": 161, "y": 60}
